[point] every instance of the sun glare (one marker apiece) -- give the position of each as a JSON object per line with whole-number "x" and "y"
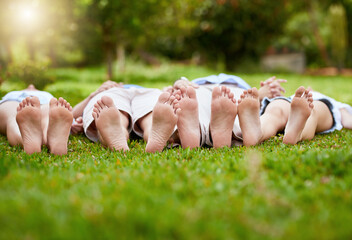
{"x": 27, "y": 15}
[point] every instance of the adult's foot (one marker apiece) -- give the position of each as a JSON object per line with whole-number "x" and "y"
{"x": 223, "y": 114}
{"x": 248, "y": 114}
{"x": 163, "y": 124}
{"x": 107, "y": 118}
{"x": 188, "y": 118}
{"x": 29, "y": 121}
{"x": 301, "y": 108}
{"x": 60, "y": 121}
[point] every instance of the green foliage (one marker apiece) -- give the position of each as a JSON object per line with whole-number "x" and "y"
{"x": 230, "y": 31}
{"x": 339, "y": 34}
{"x": 28, "y": 73}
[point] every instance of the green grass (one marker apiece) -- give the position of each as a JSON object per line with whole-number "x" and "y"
{"x": 271, "y": 191}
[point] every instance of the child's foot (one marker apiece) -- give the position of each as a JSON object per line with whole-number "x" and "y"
{"x": 108, "y": 122}
{"x": 60, "y": 121}
{"x": 29, "y": 121}
{"x": 223, "y": 114}
{"x": 248, "y": 113}
{"x": 163, "y": 124}
{"x": 188, "y": 118}
{"x": 301, "y": 108}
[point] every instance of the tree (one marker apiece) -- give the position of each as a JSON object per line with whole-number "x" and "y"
{"x": 231, "y": 30}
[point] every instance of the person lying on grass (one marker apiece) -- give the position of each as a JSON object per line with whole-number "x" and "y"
{"x": 110, "y": 115}
{"x": 300, "y": 116}
{"x": 206, "y": 110}
{"x": 31, "y": 118}
{"x": 77, "y": 111}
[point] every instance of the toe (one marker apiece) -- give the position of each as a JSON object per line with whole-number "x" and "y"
{"x": 216, "y": 92}
{"x": 101, "y": 104}
{"x": 191, "y": 92}
{"x": 107, "y": 101}
{"x": 95, "y": 115}
{"x": 164, "y": 97}
{"x": 255, "y": 92}
{"x": 231, "y": 95}
{"x": 299, "y": 92}
{"x": 53, "y": 102}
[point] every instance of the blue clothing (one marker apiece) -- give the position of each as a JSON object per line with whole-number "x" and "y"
{"x": 128, "y": 86}
{"x": 19, "y": 96}
{"x": 222, "y": 78}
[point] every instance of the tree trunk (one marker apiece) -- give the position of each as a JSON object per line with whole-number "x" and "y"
{"x": 121, "y": 57}
{"x": 317, "y": 35}
{"x": 109, "y": 60}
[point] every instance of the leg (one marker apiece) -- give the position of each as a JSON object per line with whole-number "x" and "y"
{"x": 29, "y": 121}
{"x": 248, "y": 113}
{"x": 223, "y": 114}
{"x": 274, "y": 118}
{"x": 112, "y": 125}
{"x": 188, "y": 118}
{"x": 163, "y": 123}
{"x": 60, "y": 121}
{"x": 8, "y": 124}
{"x": 145, "y": 124}
{"x": 346, "y": 118}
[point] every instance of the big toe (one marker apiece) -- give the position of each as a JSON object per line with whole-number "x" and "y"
{"x": 191, "y": 92}
{"x": 107, "y": 101}
{"x": 255, "y": 93}
{"x": 164, "y": 97}
{"x": 299, "y": 92}
{"x": 34, "y": 102}
{"x": 216, "y": 92}
{"x": 53, "y": 102}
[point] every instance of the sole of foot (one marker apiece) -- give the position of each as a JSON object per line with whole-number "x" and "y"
{"x": 223, "y": 114}
{"x": 248, "y": 114}
{"x": 188, "y": 118}
{"x": 60, "y": 121}
{"x": 29, "y": 121}
{"x": 301, "y": 108}
{"x": 163, "y": 123}
{"x": 108, "y": 122}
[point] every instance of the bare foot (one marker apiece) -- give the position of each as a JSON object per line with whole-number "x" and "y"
{"x": 29, "y": 121}
{"x": 301, "y": 108}
{"x": 223, "y": 114}
{"x": 164, "y": 122}
{"x": 60, "y": 121}
{"x": 109, "y": 125}
{"x": 188, "y": 118}
{"x": 248, "y": 113}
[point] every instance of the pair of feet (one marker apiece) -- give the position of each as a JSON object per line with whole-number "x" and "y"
{"x": 180, "y": 108}
{"x": 31, "y": 122}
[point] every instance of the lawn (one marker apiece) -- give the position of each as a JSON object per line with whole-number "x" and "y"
{"x": 271, "y": 191}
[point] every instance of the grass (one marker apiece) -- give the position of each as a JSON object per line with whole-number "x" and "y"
{"x": 271, "y": 191}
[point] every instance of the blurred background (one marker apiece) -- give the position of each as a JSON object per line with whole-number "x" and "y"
{"x": 43, "y": 41}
